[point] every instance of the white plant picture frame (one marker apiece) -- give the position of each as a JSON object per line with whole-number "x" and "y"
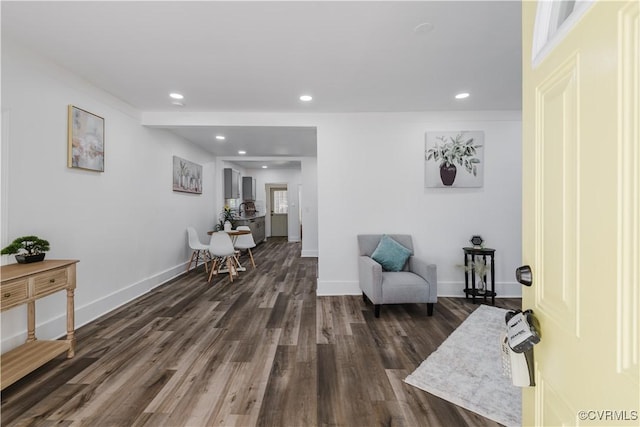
{"x": 454, "y": 159}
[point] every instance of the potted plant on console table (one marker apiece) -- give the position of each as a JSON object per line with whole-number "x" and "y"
{"x": 27, "y": 249}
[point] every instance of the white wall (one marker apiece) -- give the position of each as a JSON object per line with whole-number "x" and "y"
{"x": 370, "y": 179}
{"x": 125, "y": 225}
{"x": 309, "y": 204}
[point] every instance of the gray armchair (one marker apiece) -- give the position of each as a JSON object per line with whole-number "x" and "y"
{"x": 416, "y": 283}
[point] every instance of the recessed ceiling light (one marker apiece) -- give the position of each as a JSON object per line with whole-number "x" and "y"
{"x": 220, "y": 137}
{"x": 424, "y": 28}
{"x": 176, "y": 95}
{"x": 462, "y": 95}
{"x": 264, "y": 166}
{"x": 242, "y": 152}
{"x": 306, "y": 98}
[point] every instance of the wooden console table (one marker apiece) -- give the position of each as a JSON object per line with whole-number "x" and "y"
{"x": 24, "y": 284}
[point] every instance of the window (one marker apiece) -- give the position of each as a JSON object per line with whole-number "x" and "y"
{"x": 554, "y": 19}
{"x": 280, "y": 203}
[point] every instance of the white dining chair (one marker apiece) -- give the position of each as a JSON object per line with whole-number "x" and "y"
{"x": 200, "y": 251}
{"x": 245, "y": 241}
{"x": 222, "y": 252}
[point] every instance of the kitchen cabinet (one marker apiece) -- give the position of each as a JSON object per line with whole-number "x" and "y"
{"x": 231, "y": 183}
{"x": 256, "y": 225}
{"x": 248, "y": 188}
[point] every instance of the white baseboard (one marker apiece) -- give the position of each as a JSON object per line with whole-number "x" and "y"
{"x": 307, "y": 253}
{"x": 55, "y": 327}
{"x": 503, "y": 289}
{"x": 445, "y": 289}
{"x": 334, "y": 288}
{"x": 293, "y": 239}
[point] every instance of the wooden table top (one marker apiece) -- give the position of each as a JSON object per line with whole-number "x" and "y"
{"x": 231, "y": 232}
{"x": 15, "y": 271}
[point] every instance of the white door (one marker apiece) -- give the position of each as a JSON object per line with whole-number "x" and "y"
{"x": 279, "y": 212}
{"x": 581, "y": 215}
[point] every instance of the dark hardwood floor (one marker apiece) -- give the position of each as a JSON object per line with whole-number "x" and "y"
{"x": 263, "y": 350}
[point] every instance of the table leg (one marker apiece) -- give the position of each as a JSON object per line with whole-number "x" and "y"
{"x": 473, "y": 279}
{"x": 31, "y": 321}
{"x": 71, "y": 335}
{"x": 484, "y": 277}
{"x": 466, "y": 278}
{"x": 493, "y": 281}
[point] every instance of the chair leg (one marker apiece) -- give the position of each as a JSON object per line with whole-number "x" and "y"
{"x": 230, "y": 268}
{"x": 251, "y": 256}
{"x": 376, "y": 310}
{"x": 236, "y": 258}
{"x": 190, "y": 261}
{"x": 430, "y": 308}
{"x": 206, "y": 258}
{"x": 197, "y": 252}
{"x": 213, "y": 268}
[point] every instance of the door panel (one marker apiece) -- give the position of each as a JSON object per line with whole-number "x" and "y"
{"x": 629, "y": 196}
{"x": 279, "y": 212}
{"x": 556, "y": 146}
{"x": 581, "y": 214}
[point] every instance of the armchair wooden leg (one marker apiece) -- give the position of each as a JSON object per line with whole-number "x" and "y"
{"x": 430, "y": 308}
{"x": 366, "y": 299}
{"x": 376, "y": 310}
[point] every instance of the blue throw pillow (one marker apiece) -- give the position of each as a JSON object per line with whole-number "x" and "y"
{"x": 390, "y": 254}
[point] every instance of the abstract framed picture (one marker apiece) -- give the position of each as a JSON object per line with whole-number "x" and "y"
{"x": 454, "y": 159}
{"x": 187, "y": 176}
{"x": 85, "y": 140}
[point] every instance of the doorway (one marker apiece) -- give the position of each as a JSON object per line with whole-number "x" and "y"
{"x": 278, "y": 197}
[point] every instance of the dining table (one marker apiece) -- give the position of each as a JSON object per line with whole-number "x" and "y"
{"x": 234, "y": 236}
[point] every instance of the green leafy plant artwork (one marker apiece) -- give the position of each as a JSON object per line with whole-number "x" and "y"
{"x": 454, "y": 159}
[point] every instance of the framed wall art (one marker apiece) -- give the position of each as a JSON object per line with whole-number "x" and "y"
{"x": 187, "y": 176}
{"x": 454, "y": 159}
{"x": 85, "y": 140}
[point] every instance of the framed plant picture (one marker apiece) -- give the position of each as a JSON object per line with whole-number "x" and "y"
{"x": 86, "y": 140}
{"x": 187, "y": 176}
{"x": 454, "y": 159}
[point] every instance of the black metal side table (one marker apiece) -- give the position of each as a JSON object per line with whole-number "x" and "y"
{"x": 469, "y": 258}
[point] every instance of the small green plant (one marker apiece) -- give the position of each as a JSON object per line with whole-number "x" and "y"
{"x": 457, "y": 150}
{"x": 225, "y": 215}
{"x": 27, "y": 245}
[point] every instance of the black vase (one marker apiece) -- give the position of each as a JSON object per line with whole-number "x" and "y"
{"x": 447, "y": 174}
{"x": 26, "y": 259}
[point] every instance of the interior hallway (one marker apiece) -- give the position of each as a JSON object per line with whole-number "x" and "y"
{"x": 263, "y": 350}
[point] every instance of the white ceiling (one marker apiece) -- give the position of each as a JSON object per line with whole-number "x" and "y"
{"x": 268, "y": 143}
{"x": 260, "y": 56}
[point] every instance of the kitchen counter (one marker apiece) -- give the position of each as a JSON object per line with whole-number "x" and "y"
{"x": 243, "y": 216}
{"x": 255, "y": 223}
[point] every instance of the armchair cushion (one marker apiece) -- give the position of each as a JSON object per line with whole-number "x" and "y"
{"x": 391, "y": 254}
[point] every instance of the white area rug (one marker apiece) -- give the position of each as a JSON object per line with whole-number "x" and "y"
{"x": 467, "y": 369}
